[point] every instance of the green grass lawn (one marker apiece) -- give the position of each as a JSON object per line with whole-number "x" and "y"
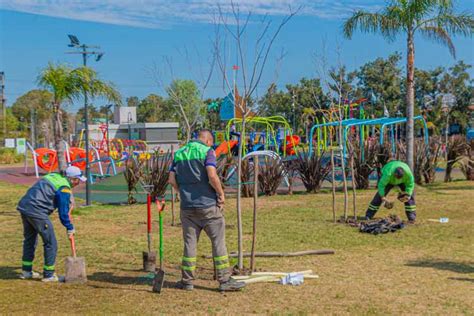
{"x": 427, "y": 268}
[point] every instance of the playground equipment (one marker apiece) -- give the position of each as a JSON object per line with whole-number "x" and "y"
{"x": 265, "y": 153}
{"x": 319, "y": 132}
{"x": 270, "y": 138}
{"x": 225, "y": 147}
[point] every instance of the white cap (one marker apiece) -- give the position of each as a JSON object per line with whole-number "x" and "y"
{"x": 75, "y": 172}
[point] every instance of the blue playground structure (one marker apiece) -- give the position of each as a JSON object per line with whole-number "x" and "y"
{"x": 326, "y": 135}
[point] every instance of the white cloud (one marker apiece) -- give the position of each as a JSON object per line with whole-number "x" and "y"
{"x": 164, "y": 13}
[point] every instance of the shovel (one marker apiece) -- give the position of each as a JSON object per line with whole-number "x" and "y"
{"x": 149, "y": 258}
{"x": 75, "y": 266}
{"x": 159, "y": 279}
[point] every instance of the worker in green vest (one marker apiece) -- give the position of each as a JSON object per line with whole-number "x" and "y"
{"x": 52, "y": 192}
{"x": 193, "y": 173}
{"x": 395, "y": 174}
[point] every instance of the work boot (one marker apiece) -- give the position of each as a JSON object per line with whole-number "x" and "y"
{"x": 411, "y": 217}
{"x": 231, "y": 285}
{"x": 370, "y": 214}
{"x": 184, "y": 286}
{"x": 26, "y": 275}
{"x": 53, "y": 278}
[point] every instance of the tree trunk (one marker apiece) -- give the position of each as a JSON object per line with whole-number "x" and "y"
{"x": 343, "y": 167}
{"x": 449, "y": 169}
{"x": 188, "y": 132}
{"x": 410, "y": 99}
{"x": 239, "y": 196}
{"x": 58, "y": 138}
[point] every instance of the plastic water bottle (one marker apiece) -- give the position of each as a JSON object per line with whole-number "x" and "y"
{"x": 444, "y": 220}
{"x": 292, "y": 279}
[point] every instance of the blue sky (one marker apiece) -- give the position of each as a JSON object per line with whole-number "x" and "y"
{"x": 137, "y": 35}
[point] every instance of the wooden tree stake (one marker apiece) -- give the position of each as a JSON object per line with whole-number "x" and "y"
{"x": 333, "y": 182}
{"x": 255, "y": 198}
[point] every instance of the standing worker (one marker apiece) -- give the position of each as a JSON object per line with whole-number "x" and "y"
{"x": 395, "y": 173}
{"x": 51, "y": 192}
{"x": 193, "y": 173}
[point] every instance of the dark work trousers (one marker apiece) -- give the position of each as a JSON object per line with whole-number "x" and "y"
{"x": 410, "y": 206}
{"x": 211, "y": 220}
{"x": 31, "y": 228}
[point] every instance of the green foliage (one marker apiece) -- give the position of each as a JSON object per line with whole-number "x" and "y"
{"x": 9, "y": 156}
{"x": 307, "y": 94}
{"x": 35, "y": 100}
{"x": 66, "y": 85}
{"x": 185, "y": 98}
{"x": 383, "y": 78}
{"x": 153, "y": 109}
{"x": 434, "y": 19}
{"x": 432, "y": 84}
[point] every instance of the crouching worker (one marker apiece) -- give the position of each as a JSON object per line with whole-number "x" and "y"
{"x": 51, "y": 192}
{"x": 193, "y": 173}
{"x": 395, "y": 174}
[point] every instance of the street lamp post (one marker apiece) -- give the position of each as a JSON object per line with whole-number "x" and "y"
{"x": 107, "y": 109}
{"x": 448, "y": 101}
{"x": 85, "y": 54}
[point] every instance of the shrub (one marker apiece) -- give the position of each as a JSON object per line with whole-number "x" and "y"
{"x": 223, "y": 166}
{"x": 270, "y": 175}
{"x": 312, "y": 170}
{"x": 156, "y": 173}
{"x": 133, "y": 173}
{"x": 467, "y": 163}
{"x": 458, "y": 149}
{"x": 431, "y": 160}
{"x": 363, "y": 167}
{"x": 9, "y": 156}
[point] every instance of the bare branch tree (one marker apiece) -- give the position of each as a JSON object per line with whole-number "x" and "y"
{"x": 200, "y": 78}
{"x": 235, "y": 29}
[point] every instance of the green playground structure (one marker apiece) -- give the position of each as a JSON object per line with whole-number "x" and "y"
{"x": 268, "y": 124}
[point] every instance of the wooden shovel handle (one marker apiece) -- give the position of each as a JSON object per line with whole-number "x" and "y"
{"x": 73, "y": 245}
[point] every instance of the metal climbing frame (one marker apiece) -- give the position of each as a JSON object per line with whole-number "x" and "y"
{"x": 382, "y": 123}
{"x": 270, "y": 134}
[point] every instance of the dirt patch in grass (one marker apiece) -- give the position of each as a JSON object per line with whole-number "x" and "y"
{"x": 426, "y": 268}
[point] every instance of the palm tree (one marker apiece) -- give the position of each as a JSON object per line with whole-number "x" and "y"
{"x": 67, "y": 85}
{"x": 433, "y": 19}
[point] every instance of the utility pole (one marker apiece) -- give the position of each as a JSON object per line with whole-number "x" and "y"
{"x": 85, "y": 53}
{"x": 294, "y": 113}
{"x": 3, "y": 103}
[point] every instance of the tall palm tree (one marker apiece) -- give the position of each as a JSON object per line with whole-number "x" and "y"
{"x": 433, "y": 19}
{"x": 67, "y": 85}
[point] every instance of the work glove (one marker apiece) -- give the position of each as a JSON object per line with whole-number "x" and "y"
{"x": 70, "y": 232}
{"x": 403, "y": 197}
{"x": 388, "y": 205}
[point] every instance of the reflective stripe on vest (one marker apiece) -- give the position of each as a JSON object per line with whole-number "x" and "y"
{"x": 194, "y": 150}
{"x": 57, "y": 180}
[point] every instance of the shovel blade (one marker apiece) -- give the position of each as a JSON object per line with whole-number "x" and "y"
{"x": 149, "y": 261}
{"x": 75, "y": 270}
{"x": 158, "y": 281}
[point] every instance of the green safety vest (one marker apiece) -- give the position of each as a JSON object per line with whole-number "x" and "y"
{"x": 57, "y": 180}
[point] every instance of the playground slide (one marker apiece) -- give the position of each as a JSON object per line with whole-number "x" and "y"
{"x": 223, "y": 148}
{"x": 290, "y": 144}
